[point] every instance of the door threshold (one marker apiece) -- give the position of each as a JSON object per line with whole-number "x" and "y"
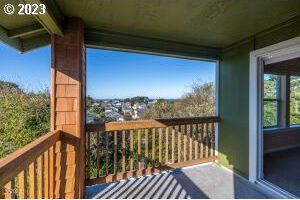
{"x": 275, "y": 190}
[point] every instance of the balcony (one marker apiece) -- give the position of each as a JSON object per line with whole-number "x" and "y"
{"x": 134, "y": 159}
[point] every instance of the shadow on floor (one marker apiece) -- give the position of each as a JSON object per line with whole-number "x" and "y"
{"x": 202, "y": 182}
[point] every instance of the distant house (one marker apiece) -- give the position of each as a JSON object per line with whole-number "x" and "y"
{"x": 126, "y": 108}
{"x": 113, "y": 116}
{"x": 138, "y": 110}
{"x": 90, "y": 117}
{"x": 108, "y": 109}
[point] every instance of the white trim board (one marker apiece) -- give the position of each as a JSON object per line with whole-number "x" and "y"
{"x": 217, "y": 113}
{"x": 280, "y": 51}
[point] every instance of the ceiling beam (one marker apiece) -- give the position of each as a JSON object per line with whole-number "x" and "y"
{"x": 26, "y": 31}
{"x": 35, "y": 42}
{"x": 118, "y": 41}
{"x": 262, "y": 33}
{"x": 52, "y": 19}
{"x": 12, "y": 42}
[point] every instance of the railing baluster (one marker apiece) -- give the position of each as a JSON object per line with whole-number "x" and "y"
{"x": 39, "y": 178}
{"x": 139, "y": 149}
{"x": 51, "y": 171}
{"x": 22, "y": 190}
{"x": 184, "y": 143}
{"x": 173, "y": 144}
{"x": 167, "y": 145}
{"x": 115, "y": 152}
{"x": 196, "y": 140}
{"x": 131, "y": 150}
{"x": 106, "y": 153}
{"x": 212, "y": 140}
{"x": 179, "y": 143}
{"x": 206, "y": 140}
{"x": 46, "y": 175}
{"x": 88, "y": 156}
{"x": 202, "y": 140}
{"x": 98, "y": 153}
{"x": 146, "y": 149}
{"x": 190, "y": 142}
{"x": 9, "y": 190}
{"x": 123, "y": 152}
{"x": 153, "y": 147}
{"x": 160, "y": 146}
{"x": 32, "y": 181}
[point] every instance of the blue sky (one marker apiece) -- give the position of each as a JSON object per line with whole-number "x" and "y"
{"x": 30, "y": 70}
{"x": 111, "y": 74}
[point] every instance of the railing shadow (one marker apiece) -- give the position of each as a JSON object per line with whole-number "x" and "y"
{"x": 173, "y": 184}
{"x": 200, "y": 182}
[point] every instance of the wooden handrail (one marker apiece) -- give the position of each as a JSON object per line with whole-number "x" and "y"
{"x": 152, "y": 123}
{"x": 17, "y": 161}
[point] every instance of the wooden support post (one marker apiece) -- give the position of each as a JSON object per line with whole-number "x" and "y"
{"x": 68, "y": 108}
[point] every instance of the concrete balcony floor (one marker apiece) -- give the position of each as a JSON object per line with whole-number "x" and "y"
{"x": 202, "y": 181}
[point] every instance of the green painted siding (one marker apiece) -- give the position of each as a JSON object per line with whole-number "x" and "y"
{"x": 234, "y": 98}
{"x": 234, "y": 101}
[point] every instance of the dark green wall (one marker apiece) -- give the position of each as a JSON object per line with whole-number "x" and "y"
{"x": 234, "y": 97}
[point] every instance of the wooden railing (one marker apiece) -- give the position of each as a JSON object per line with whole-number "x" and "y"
{"x": 29, "y": 171}
{"x": 119, "y": 150}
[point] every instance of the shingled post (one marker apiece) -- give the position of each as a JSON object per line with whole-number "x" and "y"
{"x": 68, "y": 76}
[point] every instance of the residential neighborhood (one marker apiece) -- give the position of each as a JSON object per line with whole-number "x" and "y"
{"x": 109, "y": 110}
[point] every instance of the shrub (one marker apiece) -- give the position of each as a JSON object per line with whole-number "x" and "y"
{"x": 24, "y": 116}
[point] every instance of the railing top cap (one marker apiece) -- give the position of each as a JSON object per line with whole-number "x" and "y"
{"x": 152, "y": 123}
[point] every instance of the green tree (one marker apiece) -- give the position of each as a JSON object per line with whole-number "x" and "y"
{"x": 200, "y": 101}
{"x": 23, "y": 116}
{"x": 93, "y": 106}
{"x": 137, "y": 99}
{"x": 161, "y": 109}
{"x": 271, "y": 82}
{"x": 295, "y": 100}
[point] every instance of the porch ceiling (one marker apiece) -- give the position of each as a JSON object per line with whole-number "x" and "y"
{"x": 207, "y": 23}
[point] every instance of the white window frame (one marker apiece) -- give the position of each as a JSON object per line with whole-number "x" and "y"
{"x": 275, "y": 53}
{"x": 279, "y": 106}
{"x": 217, "y": 112}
